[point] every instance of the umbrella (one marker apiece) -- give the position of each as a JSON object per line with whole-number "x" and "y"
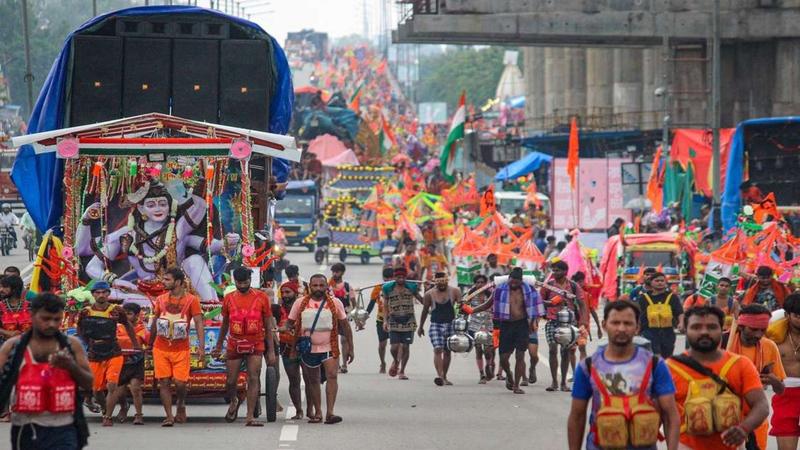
{"x": 345, "y": 158}
{"x": 326, "y": 147}
{"x": 400, "y": 157}
{"x": 431, "y": 165}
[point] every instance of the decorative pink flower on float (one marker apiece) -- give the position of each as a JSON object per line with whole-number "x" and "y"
{"x": 67, "y": 252}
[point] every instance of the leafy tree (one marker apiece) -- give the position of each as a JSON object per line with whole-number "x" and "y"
{"x": 443, "y": 77}
{"x": 49, "y": 23}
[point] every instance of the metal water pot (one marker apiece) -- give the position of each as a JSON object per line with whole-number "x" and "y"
{"x": 459, "y": 343}
{"x": 566, "y": 335}
{"x": 359, "y": 315}
{"x": 564, "y": 316}
{"x": 460, "y": 325}
{"x": 483, "y": 337}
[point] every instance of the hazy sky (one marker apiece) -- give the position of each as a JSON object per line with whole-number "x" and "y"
{"x": 336, "y": 17}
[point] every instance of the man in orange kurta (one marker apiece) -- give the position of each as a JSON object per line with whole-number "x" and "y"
{"x": 749, "y": 341}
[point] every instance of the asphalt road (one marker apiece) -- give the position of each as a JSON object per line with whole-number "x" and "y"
{"x": 378, "y": 411}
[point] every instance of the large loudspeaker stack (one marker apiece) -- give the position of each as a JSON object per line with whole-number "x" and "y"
{"x": 198, "y": 68}
{"x": 773, "y": 160}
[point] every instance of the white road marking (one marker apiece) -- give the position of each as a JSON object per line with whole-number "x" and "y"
{"x": 289, "y": 433}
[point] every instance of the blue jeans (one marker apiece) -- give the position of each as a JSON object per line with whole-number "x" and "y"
{"x": 35, "y": 437}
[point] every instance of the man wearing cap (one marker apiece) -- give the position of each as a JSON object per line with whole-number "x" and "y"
{"x": 747, "y": 339}
{"x": 516, "y": 308}
{"x": 399, "y": 319}
{"x": 97, "y": 326}
{"x": 440, "y": 301}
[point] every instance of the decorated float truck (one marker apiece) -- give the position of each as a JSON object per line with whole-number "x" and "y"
{"x": 124, "y": 198}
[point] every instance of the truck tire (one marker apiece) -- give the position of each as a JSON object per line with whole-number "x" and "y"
{"x": 343, "y": 255}
{"x": 365, "y": 257}
{"x": 271, "y": 391}
{"x": 310, "y": 248}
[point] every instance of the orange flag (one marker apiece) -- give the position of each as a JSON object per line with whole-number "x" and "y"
{"x": 767, "y": 207}
{"x": 654, "y": 191}
{"x": 487, "y": 201}
{"x": 572, "y": 154}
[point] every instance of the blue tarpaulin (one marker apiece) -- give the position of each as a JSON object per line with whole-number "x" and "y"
{"x": 731, "y": 197}
{"x": 529, "y": 163}
{"x": 40, "y": 177}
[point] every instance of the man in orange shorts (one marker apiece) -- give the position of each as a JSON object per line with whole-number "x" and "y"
{"x": 169, "y": 339}
{"x": 97, "y": 326}
{"x": 246, "y": 313}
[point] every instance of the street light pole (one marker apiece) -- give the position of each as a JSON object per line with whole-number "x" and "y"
{"x": 716, "y": 68}
{"x": 27, "y": 40}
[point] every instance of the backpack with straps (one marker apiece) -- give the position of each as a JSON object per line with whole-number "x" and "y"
{"x": 624, "y": 420}
{"x": 659, "y": 315}
{"x": 710, "y": 405}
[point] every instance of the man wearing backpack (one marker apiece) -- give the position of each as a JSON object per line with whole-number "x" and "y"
{"x": 721, "y": 396}
{"x": 624, "y": 371}
{"x": 661, "y": 311}
{"x": 39, "y": 363}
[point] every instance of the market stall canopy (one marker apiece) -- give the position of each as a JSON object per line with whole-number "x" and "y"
{"x": 531, "y": 162}
{"x": 42, "y": 175}
{"x": 154, "y": 133}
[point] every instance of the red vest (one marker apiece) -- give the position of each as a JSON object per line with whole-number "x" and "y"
{"x": 19, "y": 320}
{"x": 41, "y": 387}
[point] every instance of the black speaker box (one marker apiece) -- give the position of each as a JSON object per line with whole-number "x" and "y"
{"x": 96, "y": 93}
{"x": 244, "y": 84}
{"x": 147, "y": 76}
{"x": 195, "y": 79}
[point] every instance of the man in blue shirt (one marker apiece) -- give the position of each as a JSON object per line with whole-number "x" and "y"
{"x": 621, "y": 366}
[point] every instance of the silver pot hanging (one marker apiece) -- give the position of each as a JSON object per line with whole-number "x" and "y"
{"x": 565, "y": 316}
{"x": 483, "y": 337}
{"x": 460, "y": 325}
{"x": 459, "y": 343}
{"x": 566, "y": 335}
{"x": 359, "y": 315}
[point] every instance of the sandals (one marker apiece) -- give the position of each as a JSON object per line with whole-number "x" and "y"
{"x": 180, "y": 416}
{"x": 382, "y": 368}
{"x": 298, "y": 415}
{"x": 92, "y": 407}
{"x": 402, "y": 376}
{"x": 5, "y": 417}
{"x": 138, "y": 419}
{"x": 253, "y": 423}
{"x": 393, "y": 369}
{"x": 233, "y": 410}
{"x": 317, "y": 419}
{"x": 168, "y": 422}
{"x": 524, "y": 382}
{"x": 108, "y": 421}
{"x": 438, "y": 381}
{"x": 518, "y": 391}
{"x": 551, "y": 389}
{"x": 333, "y": 420}
{"x": 509, "y": 384}
{"x": 532, "y": 375}
{"x": 343, "y": 369}
{"x": 447, "y": 382}
{"x": 122, "y": 415}
{"x": 483, "y": 380}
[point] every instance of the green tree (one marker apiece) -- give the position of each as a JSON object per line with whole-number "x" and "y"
{"x": 49, "y": 23}
{"x": 443, "y": 77}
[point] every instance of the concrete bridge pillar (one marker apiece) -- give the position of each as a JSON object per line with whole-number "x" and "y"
{"x": 533, "y": 70}
{"x": 575, "y": 89}
{"x": 600, "y": 85}
{"x": 627, "y": 85}
{"x": 554, "y": 81}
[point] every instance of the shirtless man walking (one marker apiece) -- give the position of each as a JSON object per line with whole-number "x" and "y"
{"x": 440, "y": 301}
{"x": 516, "y": 307}
{"x": 785, "y": 422}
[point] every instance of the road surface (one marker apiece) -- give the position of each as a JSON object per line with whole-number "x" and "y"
{"x": 378, "y": 411}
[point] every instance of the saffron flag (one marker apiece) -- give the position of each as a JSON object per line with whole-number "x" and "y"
{"x": 655, "y": 192}
{"x": 448, "y": 154}
{"x": 572, "y": 153}
{"x": 487, "y": 201}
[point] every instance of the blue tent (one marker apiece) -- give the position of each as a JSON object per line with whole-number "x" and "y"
{"x": 39, "y": 177}
{"x": 531, "y": 162}
{"x": 731, "y": 197}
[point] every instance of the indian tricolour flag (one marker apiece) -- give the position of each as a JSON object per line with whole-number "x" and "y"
{"x": 386, "y": 137}
{"x": 448, "y": 155}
